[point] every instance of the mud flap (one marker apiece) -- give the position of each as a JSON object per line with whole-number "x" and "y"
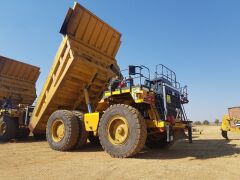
{"x": 225, "y": 134}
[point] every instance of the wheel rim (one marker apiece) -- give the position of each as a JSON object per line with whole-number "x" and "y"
{"x": 3, "y": 128}
{"x": 118, "y": 130}
{"x": 57, "y": 130}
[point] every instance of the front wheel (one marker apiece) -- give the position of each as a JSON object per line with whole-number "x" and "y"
{"x": 122, "y": 131}
{"x": 8, "y": 128}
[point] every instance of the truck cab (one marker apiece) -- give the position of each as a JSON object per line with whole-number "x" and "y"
{"x": 160, "y": 100}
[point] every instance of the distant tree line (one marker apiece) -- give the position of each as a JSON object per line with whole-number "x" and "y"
{"x": 206, "y": 122}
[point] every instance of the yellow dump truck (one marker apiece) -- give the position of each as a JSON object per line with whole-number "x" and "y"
{"x": 84, "y": 65}
{"x": 87, "y": 96}
{"x": 231, "y": 122}
{"x": 17, "y": 94}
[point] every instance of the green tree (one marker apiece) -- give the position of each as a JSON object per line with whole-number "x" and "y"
{"x": 197, "y": 123}
{"x": 206, "y": 122}
{"x": 217, "y": 122}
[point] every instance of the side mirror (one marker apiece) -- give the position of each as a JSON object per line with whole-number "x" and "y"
{"x": 132, "y": 70}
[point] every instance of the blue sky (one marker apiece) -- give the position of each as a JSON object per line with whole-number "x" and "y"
{"x": 199, "y": 40}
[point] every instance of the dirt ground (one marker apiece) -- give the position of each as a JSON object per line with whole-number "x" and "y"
{"x": 209, "y": 157}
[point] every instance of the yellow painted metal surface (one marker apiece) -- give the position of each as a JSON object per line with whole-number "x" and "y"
{"x": 117, "y": 92}
{"x": 118, "y": 130}
{"x": 139, "y": 100}
{"x": 155, "y": 124}
{"x": 126, "y": 90}
{"x": 169, "y": 100}
{"x": 234, "y": 112}
{"x": 136, "y": 92}
{"x": 18, "y": 81}
{"x": 91, "y": 121}
{"x": 84, "y": 60}
{"x": 107, "y": 94}
{"x": 57, "y": 130}
{"x": 85, "y": 27}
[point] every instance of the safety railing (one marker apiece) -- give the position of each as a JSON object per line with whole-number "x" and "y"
{"x": 184, "y": 95}
{"x": 167, "y": 74}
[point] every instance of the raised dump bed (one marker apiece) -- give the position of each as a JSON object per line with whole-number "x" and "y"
{"x": 85, "y": 59}
{"x": 234, "y": 112}
{"x": 18, "y": 81}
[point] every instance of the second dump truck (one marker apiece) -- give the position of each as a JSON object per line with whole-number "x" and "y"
{"x": 86, "y": 96}
{"x": 231, "y": 122}
{"x": 17, "y": 94}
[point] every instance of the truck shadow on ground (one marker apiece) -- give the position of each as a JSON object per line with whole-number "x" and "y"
{"x": 29, "y": 140}
{"x": 89, "y": 148}
{"x": 200, "y": 149}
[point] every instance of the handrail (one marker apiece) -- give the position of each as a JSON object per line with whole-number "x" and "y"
{"x": 167, "y": 73}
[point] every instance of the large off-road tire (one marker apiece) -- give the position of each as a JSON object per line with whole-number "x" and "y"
{"x": 22, "y": 133}
{"x": 93, "y": 139}
{"x": 83, "y": 134}
{"x": 62, "y": 130}
{"x": 158, "y": 141}
{"x": 122, "y": 131}
{"x": 8, "y": 128}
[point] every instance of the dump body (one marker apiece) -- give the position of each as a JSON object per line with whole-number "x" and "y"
{"x": 18, "y": 81}
{"x": 85, "y": 59}
{"x": 234, "y": 113}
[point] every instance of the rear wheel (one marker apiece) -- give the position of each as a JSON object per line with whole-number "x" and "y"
{"x": 62, "y": 130}
{"x": 83, "y": 134}
{"x": 8, "y": 128}
{"x": 122, "y": 131}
